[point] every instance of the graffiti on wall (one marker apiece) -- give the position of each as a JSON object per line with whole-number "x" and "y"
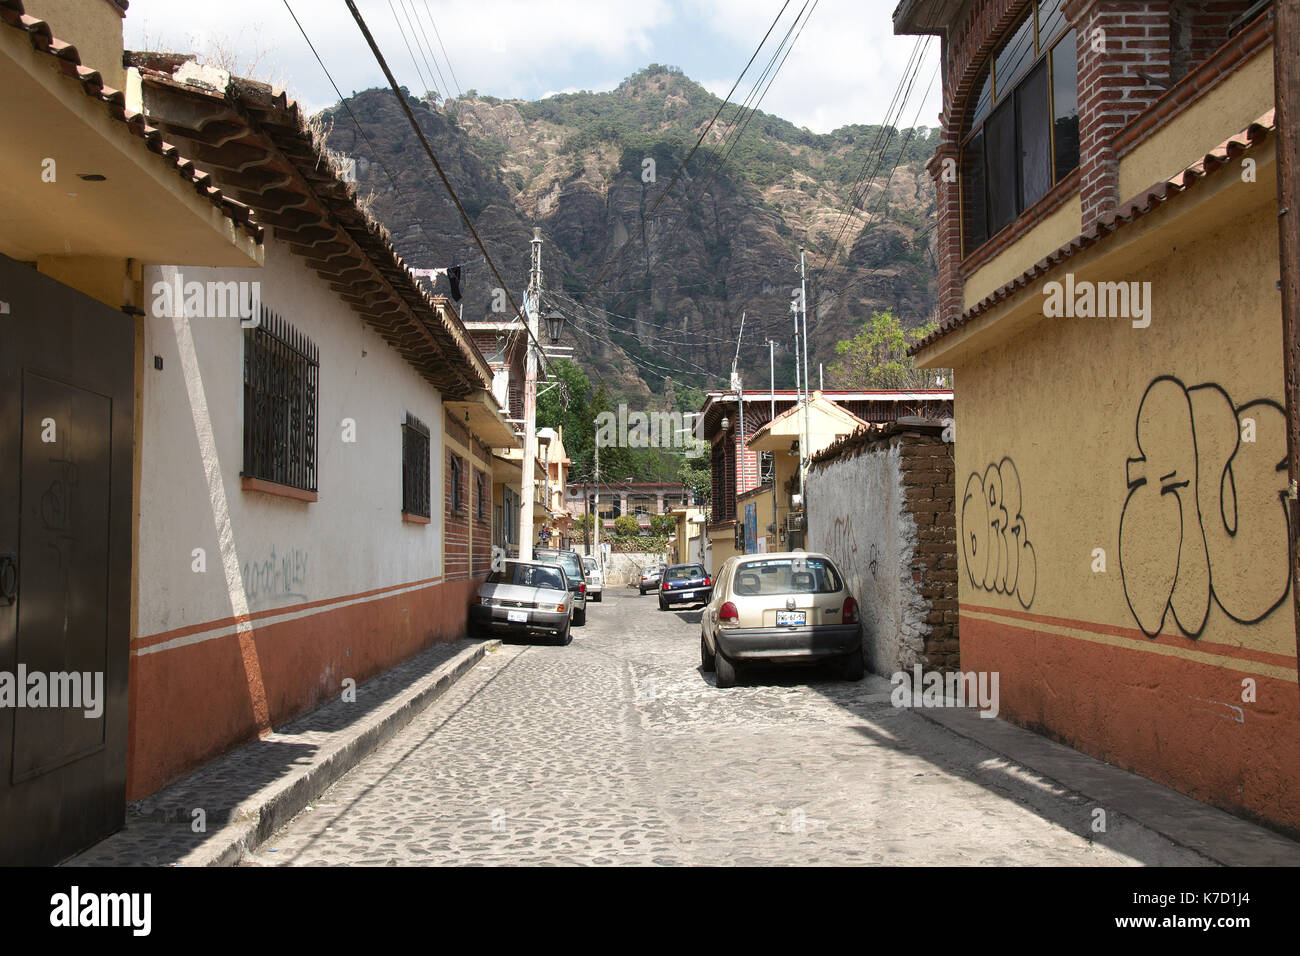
{"x": 1205, "y": 517}
{"x": 281, "y": 574}
{"x": 843, "y": 544}
{"x": 995, "y": 539}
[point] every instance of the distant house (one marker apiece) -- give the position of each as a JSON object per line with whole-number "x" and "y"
{"x": 1109, "y": 259}
{"x": 754, "y": 478}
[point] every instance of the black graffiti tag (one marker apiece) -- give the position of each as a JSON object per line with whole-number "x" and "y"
{"x": 1205, "y": 516}
{"x": 995, "y": 539}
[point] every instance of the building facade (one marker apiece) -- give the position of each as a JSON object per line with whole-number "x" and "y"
{"x": 1108, "y": 247}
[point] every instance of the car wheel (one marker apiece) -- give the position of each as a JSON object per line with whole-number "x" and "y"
{"x": 580, "y": 617}
{"x": 596, "y": 597}
{"x": 706, "y": 659}
{"x": 566, "y": 636}
{"x": 725, "y": 669}
{"x": 853, "y": 667}
{"x": 663, "y": 605}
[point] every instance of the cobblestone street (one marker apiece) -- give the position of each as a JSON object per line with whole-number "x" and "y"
{"x": 618, "y": 749}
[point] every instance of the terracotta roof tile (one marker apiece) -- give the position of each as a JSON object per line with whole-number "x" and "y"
{"x": 92, "y": 83}
{"x": 1128, "y": 211}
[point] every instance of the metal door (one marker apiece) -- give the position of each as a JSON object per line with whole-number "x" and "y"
{"x": 66, "y": 393}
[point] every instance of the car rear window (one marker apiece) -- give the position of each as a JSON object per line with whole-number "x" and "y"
{"x": 569, "y": 561}
{"x": 528, "y": 575}
{"x": 786, "y": 576}
{"x": 685, "y": 573}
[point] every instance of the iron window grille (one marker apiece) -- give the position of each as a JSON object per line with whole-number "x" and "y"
{"x": 480, "y": 508}
{"x": 1022, "y": 128}
{"x": 457, "y": 482}
{"x": 416, "y": 494}
{"x": 281, "y": 403}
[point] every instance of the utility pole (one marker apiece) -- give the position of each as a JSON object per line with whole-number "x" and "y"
{"x": 532, "y": 303}
{"x": 771, "y": 377}
{"x": 600, "y": 554}
{"x": 804, "y": 454}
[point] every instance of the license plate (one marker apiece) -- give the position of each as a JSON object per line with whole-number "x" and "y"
{"x": 687, "y": 594}
{"x": 790, "y": 617}
{"x": 518, "y": 617}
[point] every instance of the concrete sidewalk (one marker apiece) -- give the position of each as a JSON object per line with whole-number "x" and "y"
{"x": 248, "y": 794}
{"x": 1218, "y": 836}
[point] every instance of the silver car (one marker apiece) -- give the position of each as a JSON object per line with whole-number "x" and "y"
{"x": 789, "y": 607}
{"x": 524, "y": 598}
{"x": 650, "y": 578}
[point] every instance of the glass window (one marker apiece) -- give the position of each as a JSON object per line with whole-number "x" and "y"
{"x": 1014, "y": 58}
{"x": 786, "y": 576}
{"x": 1022, "y": 130}
{"x": 1033, "y": 106}
{"x": 1051, "y": 21}
{"x": 1000, "y": 165}
{"x": 1065, "y": 105}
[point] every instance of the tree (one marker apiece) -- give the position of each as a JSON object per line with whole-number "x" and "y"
{"x": 567, "y": 405}
{"x": 626, "y": 526}
{"x": 877, "y": 356}
{"x": 696, "y": 480}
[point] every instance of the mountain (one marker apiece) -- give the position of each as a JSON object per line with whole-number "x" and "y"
{"x": 654, "y": 274}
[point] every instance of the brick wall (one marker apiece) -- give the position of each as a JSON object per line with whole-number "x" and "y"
{"x": 927, "y": 464}
{"x": 481, "y": 483}
{"x": 456, "y": 509}
{"x": 882, "y": 504}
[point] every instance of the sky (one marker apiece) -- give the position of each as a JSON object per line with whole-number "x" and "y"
{"x": 843, "y": 68}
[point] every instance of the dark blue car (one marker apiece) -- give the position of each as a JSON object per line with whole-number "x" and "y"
{"x": 684, "y": 584}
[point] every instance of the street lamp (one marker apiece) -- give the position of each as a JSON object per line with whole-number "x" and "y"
{"x": 554, "y": 319}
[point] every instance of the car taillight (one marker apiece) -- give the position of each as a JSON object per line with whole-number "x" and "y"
{"x": 728, "y": 612}
{"x": 582, "y": 590}
{"x": 707, "y": 582}
{"x": 850, "y": 613}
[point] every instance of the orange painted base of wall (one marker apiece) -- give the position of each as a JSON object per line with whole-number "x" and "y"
{"x": 191, "y": 704}
{"x": 1167, "y": 718}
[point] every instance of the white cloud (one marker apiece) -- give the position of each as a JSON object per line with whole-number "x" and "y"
{"x": 843, "y": 69}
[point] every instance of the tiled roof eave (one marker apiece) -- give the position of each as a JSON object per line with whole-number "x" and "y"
{"x": 92, "y": 84}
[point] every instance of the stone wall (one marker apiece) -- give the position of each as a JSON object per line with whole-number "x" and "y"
{"x": 881, "y": 503}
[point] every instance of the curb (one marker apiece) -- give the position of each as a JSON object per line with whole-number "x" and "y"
{"x": 258, "y": 817}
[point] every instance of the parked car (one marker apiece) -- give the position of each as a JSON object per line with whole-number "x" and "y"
{"x": 595, "y": 580}
{"x": 529, "y": 598}
{"x": 790, "y": 607}
{"x": 650, "y": 577}
{"x": 684, "y": 584}
{"x": 571, "y": 562}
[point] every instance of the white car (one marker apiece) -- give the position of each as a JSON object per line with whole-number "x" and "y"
{"x": 595, "y": 580}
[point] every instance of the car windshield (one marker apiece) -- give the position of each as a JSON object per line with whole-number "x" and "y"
{"x": 565, "y": 559}
{"x": 528, "y": 575}
{"x": 687, "y": 572}
{"x": 786, "y": 576}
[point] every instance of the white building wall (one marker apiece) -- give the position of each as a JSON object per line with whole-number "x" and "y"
{"x": 279, "y": 552}
{"x": 856, "y": 515}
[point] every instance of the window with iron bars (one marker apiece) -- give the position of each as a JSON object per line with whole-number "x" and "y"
{"x": 480, "y": 508}
{"x": 415, "y": 467}
{"x": 281, "y": 403}
{"x": 457, "y": 482}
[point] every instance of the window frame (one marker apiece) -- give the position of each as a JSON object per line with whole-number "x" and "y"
{"x": 1001, "y": 98}
{"x": 457, "y": 474}
{"x": 274, "y": 348}
{"x": 416, "y": 461}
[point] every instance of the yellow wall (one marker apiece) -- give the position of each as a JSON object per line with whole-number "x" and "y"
{"x": 1237, "y": 101}
{"x": 1046, "y": 237}
{"x": 94, "y": 27}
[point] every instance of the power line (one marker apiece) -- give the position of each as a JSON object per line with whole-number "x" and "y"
{"x": 425, "y": 83}
{"x": 419, "y": 133}
{"x": 450, "y": 68}
{"x": 414, "y": 17}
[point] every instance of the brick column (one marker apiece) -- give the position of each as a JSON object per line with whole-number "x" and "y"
{"x": 943, "y": 168}
{"x": 1116, "y": 39}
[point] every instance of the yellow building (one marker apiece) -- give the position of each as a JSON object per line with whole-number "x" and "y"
{"x": 1109, "y": 306}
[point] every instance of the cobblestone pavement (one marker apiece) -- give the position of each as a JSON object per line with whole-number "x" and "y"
{"x": 617, "y": 749}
